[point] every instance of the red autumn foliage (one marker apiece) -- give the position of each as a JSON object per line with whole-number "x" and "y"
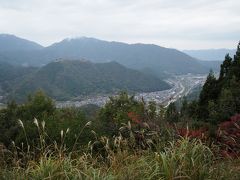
{"x": 134, "y": 117}
{"x": 199, "y": 133}
{"x": 228, "y": 137}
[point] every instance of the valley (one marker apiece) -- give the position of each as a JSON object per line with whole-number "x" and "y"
{"x": 181, "y": 86}
{"x": 111, "y": 89}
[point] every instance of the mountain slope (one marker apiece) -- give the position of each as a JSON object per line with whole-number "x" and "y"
{"x": 13, "y": 43}
{"x": 213, "y": 65}
{"x": 64, "y": 80}
{"x": 210, "y": 54}
{"x": 137, "y": 56}
{"x": 11, "y": 76}
{"x": 10, "y": 73}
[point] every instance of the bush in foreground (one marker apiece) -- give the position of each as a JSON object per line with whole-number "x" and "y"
{"x": 182, "y": 158}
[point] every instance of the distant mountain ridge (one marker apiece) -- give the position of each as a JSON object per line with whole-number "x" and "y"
{"x": 67, "y": 79}
{"x": 136, "y": 56}
{"x": 210, "y": 54}
{"x": 213, "y": 65}
{"x": 12, "y": 43}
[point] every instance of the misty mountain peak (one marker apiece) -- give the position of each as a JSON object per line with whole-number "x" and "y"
{"x": 10, "y": 42}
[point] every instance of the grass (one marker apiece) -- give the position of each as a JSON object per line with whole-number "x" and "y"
{"x": 182, "y": 158}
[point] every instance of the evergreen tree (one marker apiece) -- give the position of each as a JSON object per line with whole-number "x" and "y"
{"x": 209, "y": 93}
{"x": 236, "y": 63}
{"x": 220, "y": 99}
{"x": 8, "y": 123}
{"x": 227, "y": 105}
{"x": 172, "y": 114}
{"x": 225, "y": 67}
{"x": 213, "y": 114}
{"x": 184, "y": 108}
{"x": 193, "y": 109}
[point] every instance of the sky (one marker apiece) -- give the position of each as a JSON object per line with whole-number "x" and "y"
{"x": 181, "y": 24}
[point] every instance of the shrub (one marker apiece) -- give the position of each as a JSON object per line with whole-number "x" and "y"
{"x": 228, "y": 137}
{"x": 185, "y": 159}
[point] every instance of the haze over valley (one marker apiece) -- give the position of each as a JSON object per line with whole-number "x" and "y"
{"x": 84, "y": 68}
{"x": 120, "y": 89}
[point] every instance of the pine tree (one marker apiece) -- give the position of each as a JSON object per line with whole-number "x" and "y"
{"x": 172, "y": 114}
{"x": 235, "y": 69}
{"x": 226, "y": 105}
{"x": 209, "y": 90}
{"x": 220, "y": 99}
{"x": 184, "y": 108}
{"x": 225, "y": 67}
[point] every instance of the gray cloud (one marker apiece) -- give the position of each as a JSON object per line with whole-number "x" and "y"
{"x": 184, "y": 24}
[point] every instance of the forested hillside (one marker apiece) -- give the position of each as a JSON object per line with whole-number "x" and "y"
{"x": 126, "y": 138}
{"x": 64, "y": 80}
{"x": 157, "y": 59}
{"x": 220, "y": 96}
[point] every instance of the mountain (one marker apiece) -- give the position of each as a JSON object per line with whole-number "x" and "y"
{"x": 213, "y": 65}
{"x": 137, "y": 56}
{"x": 11, "y": 75}
{"x": 13, "y": 43}
{"x": 65, "y": 80}
{"x": 155, "y": 58}
{"x": 210, "y": 54}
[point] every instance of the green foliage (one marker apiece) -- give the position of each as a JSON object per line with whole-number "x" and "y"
{"x": 209, "y": 93}
{"x": 172, "y": 114}
{"x": 185, "y": 159}
{"x": 133, "y": 145}
{"x": 38, "y": 106}
{"x": 226, "y": 106}
{"x": 64, "y": 80}
{"x": 8, "y": 126}
{"x": 54, "y": 149}
{"x": 181, "y": 159}
{"x": 152, "y": 110}
{"x": 41, "y": 107}
{"x": 137, "y": 56}
{"x": 220, "y": 97}
{"x": 115, "y": 113}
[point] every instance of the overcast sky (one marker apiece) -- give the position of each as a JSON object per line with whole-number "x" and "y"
{"x": 181, "y": 24}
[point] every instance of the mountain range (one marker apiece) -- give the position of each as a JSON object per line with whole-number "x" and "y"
{"x": 61, "y": 70}
{"x": 210, "y": 54}
{"x": 155, "y": 58}
{"x": 66, "y": 80}
{"x": 10, "y": 43}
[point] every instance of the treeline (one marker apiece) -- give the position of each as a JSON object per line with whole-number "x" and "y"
{"x": 17, "y": 121}
{"x": 218, "y": 101}
{"x": 74, "y": 79}
{"x": 126, "y": 139}
{"x": 219, "y": 98}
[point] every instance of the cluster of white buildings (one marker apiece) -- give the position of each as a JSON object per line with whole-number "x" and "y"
{"x": 181, "y": 86}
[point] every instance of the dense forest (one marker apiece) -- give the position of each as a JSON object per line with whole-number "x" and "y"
{"x": 220, "y": 96}
{"x": 127, "y": 139}
{"x": 69, "y": 79}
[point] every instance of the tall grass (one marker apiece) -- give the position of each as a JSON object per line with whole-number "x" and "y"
{"x": 116, "y": 158}
{"x": 185, "y": 159}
